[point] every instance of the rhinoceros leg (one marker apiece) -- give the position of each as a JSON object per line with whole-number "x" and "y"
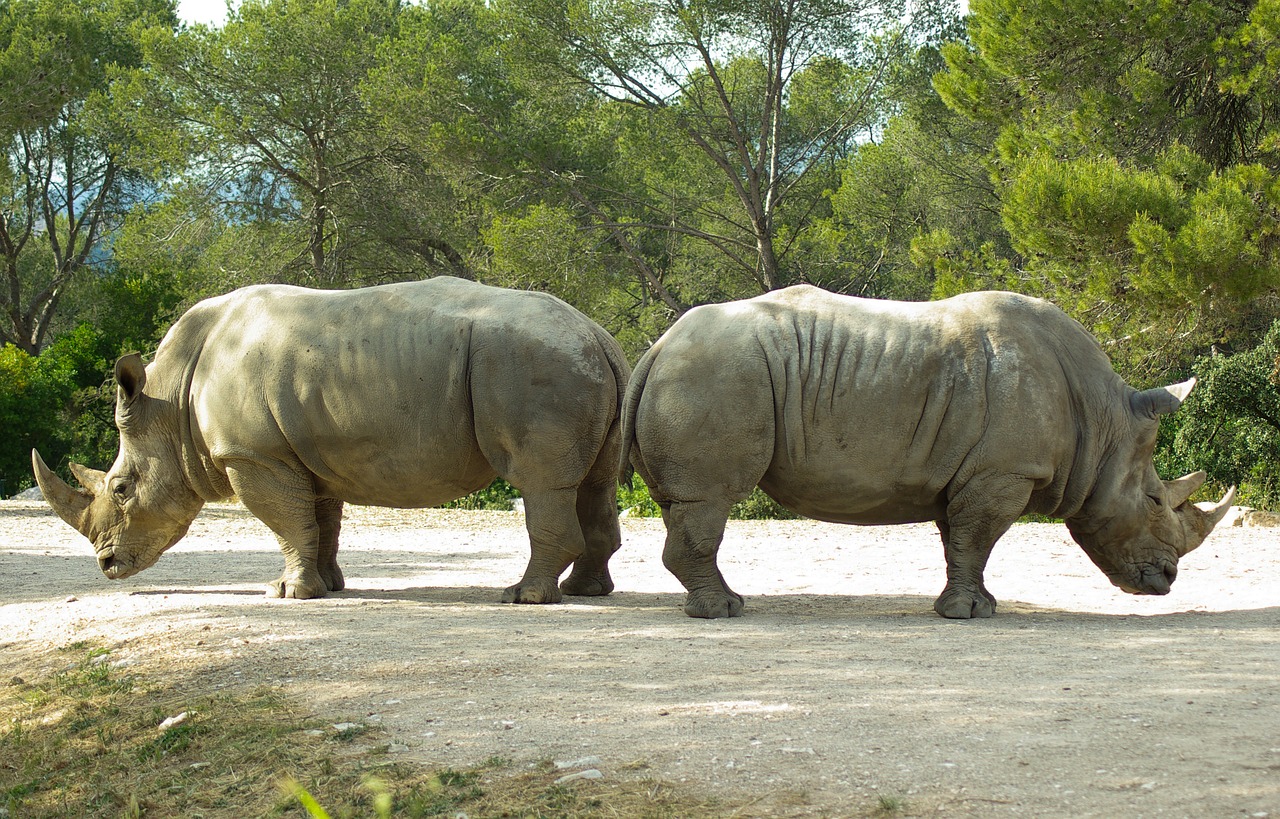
{"x": 694, "y": 532}
{"x": 283, "y": 499}
{"x": 976, "y": 518}
{"x": 555, "y": 541}
{"x": 597, "y": 510}
{"x": 329, "y": 518}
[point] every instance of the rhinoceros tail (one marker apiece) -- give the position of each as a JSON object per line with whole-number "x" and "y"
{"x": 630, "y": 403}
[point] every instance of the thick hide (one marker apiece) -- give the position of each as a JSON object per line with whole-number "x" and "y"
{"x": 407, "y": 395}
{"x": 969, "y": 412}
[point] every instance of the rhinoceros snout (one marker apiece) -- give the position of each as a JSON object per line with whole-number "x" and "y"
{"x": 1157, "y": 579}
{"x": 111, "y": 567}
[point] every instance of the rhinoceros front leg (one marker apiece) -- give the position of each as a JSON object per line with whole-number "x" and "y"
{"x": 597, "y": 511}
{"x": 329, "y": 519}
{"x": 976, "y": 518}
{"x": 555, "y": 541}
{"x": 283, "y": 499}
{"x": 694, "y": 532}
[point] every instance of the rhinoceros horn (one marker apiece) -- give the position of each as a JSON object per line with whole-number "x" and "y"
{"x": 1205, "y": 516}
{"x": 1179, "y": 490}
{"x": 1161, "y": 400}
{"x": 70, "y": 504}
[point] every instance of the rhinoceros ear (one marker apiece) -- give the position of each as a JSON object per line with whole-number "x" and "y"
{"x": 131, "y": 377}
{"x": 1153, "y": 403}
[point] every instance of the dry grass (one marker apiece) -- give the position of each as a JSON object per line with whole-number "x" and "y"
{"x": 91, "y": 740}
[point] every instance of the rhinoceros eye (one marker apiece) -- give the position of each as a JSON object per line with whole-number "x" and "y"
{"x": 1157, "y": 500}
{"x": 121, "y": 489}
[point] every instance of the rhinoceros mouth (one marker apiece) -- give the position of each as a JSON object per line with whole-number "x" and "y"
{"x": 113, "y": 568}
{"x": 1155, "y": 579}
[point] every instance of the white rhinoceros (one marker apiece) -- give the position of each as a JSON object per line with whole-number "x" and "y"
{"x": 969, "y": 412}
{"x": 404, "y": 395}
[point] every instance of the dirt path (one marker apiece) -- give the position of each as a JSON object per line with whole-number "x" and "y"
{"x": 838, "y": 687}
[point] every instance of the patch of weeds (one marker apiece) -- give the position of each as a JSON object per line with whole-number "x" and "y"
{"x": 87, "y": 741}
{"x": 890, "y": 805}
{"x": 348, "y": 733}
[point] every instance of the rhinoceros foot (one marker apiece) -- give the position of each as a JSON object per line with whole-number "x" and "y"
{"x": 587, "y": 584}
{"x": 332, "y": 577}
{"x": 303, "y": 586}
{"x": 538, "y": 590}
{"x": 713, "y": 603}
{"x": 962, "y": 604}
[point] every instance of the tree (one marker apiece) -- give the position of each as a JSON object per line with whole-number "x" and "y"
{"x": 753, "y": 104}
{"x": 72, "y": 165}
{"x": 277, "y": 130}
{"x": 918, "y": 198}
{"x": 1136, "y": 164}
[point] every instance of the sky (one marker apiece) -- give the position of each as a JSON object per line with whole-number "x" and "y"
{"x": 214, "y": 12}
{"x": 211, "y": 12}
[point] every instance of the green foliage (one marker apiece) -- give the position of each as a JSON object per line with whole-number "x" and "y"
{"x": 759, "y": 506}
{"x": 497, "y": 496}
{"x": 634, "y": 499}
{"x": 1138, "y": 182}
{"x": 1230, "y": 424}
{"x": 38, "y": 397}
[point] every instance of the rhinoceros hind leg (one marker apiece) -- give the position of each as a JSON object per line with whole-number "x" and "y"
{"x": 598, "y": 518}
{"x": 329, "y": 518}
{"x": 555, "y": 541}
{"x": 694, "y": 532}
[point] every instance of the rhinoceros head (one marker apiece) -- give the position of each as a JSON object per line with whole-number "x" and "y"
{"x": 1135, "y": 526}
{"x": 141, "y": 506}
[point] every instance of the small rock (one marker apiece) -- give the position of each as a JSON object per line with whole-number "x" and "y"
{"x": 788, "y": 749}
{"x": 17, "y": 681}
{"x": 172, "y": 721}
{"x": 507, "y": 725}
{"x": 397, "y": 748}
{"x": 195, "y": 766}
{"x": 347, "y": 726}
{"x": 585, "y": 762}
{"x": 71, "y": 599}
{"x": 315, "y": 732}
{"x": 392, "y": 702}
{"x": 589, "y": 773}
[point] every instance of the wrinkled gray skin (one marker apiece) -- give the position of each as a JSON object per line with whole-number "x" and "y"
{"x": 406, "y": 395}
{"x": 969, "y": 412}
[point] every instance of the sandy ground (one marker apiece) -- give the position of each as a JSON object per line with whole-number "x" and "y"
{"x": 839, "y": 686}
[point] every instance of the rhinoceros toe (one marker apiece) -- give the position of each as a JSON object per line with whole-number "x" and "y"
{"x": 960, "y": 604}
{"x": 713, "y": 603}
{"x": 592, "y": 584}
{"x": 301, "y": 587}
{"x": 332, "y": 577}
{"x": 539, "y": 590}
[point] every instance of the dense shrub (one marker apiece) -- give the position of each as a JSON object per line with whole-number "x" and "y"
{"x": 1230, "y": 424}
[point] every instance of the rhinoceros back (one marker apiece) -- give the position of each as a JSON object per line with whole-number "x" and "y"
{"x": 880, "y": 409}
{"x": 388, "y": 395}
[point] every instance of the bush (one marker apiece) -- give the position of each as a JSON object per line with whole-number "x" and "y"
{"x": 758, "y": 506}
{"x": 1230, "y": 425}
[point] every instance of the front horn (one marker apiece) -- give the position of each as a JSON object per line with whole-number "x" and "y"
{"x": 72, "y": 505}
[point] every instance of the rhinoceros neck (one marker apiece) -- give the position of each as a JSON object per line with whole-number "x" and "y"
{"x": 1101, "y": 426}
{"x": 170, "y": 379}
